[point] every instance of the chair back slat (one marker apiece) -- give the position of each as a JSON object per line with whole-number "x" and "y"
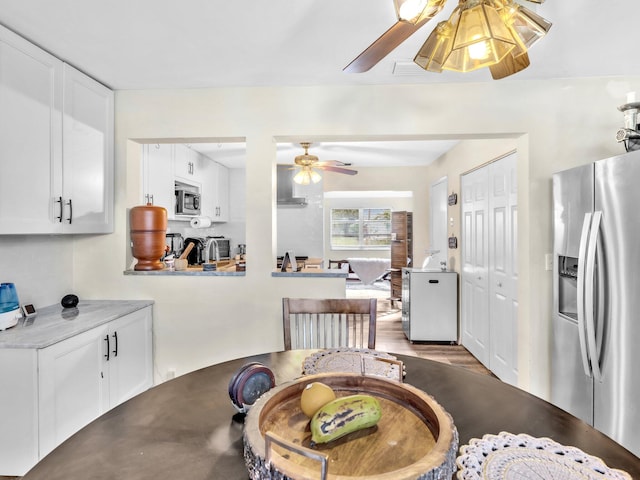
{"x": 329, "y": 323}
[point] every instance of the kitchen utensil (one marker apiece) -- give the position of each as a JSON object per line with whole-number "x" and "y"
{"x": 181, "y": 264}
{"x": 196, "y": 254}
{"x": 148, "y": 235}
{"x": 186, "y": 251}
{"x": 9, "y": 306}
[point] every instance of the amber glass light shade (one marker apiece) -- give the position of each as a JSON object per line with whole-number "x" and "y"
{"x": 480, "y": 36}
{"x": 414, "y": 11}
{"x": 529, "y": 26}
{"x": 307, "y": 175}
{"x": 436, "y": 49}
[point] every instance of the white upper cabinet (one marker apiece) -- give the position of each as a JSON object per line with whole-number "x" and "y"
{"x": 87, "y": 154}
{"x": 30, "y": 137}
{"x": 215, "y": 191}
{"x": 221, "y": 213}
{"x": 56, "y": 144}
{"x": 188, "y": 165}
{"x": 157, "y": 177}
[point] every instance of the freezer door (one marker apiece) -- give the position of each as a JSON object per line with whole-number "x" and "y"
{"x": 571, "y": 389}
{"x": 572, "y": 198}
{"x": 617, "y": 191}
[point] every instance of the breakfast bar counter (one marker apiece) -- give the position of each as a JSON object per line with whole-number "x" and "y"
{"x": 188, "y": 428}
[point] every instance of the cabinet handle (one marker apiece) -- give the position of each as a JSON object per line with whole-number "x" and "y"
{"x": 61, "y": 209}
{"x": 115, "y": 338}
{"x": 70, "y": 219}
{"x": 106, "y": 355}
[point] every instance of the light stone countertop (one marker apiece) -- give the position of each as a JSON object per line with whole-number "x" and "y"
{"x": 53, "y": 324}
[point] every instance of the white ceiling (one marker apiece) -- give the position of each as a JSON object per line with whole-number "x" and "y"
{"x": 141, "y": 44}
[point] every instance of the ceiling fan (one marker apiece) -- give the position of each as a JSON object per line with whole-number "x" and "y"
{"x": 413, "y": 14}
{"x": 309, "y": 163}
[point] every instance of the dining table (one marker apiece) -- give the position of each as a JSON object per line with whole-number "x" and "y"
{"x": 187, "y": 427}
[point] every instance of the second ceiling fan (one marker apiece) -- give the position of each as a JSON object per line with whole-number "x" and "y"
{"x": 309, "y": 163}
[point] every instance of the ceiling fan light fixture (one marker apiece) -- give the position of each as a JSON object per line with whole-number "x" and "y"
{"x": 480, "y": 36}
{"x": 416, "y": 11}
{"x": 435, "y": 51}
{"x": 307, "y": 175}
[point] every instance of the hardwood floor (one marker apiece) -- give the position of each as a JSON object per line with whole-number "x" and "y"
{"x": 390, "y": 337}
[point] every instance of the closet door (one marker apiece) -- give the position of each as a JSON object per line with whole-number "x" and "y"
{"x": 475, "y": 265}
{"x": 503, "y": 275}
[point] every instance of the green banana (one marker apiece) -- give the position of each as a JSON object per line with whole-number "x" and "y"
{"x": 344, "y": 415}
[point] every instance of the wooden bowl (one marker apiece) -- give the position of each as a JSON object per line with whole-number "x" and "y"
{"x": 414, "y": 439}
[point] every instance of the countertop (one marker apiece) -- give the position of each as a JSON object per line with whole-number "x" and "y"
{"x": 224, "y": 268}
{"x": 53, "y": 324}
{"x": 311, "y": 272}
{"x": 186, "y": 427}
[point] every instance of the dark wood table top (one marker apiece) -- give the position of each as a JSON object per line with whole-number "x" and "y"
{"x": 186, "y": 428}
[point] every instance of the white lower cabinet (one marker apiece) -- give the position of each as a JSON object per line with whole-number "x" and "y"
{"x": 70, "y": 383}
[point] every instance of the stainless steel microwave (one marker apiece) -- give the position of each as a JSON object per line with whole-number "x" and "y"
{"x": 187, "y": 202}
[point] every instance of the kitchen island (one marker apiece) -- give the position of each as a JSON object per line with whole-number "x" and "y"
{"x": 188, "y": 428}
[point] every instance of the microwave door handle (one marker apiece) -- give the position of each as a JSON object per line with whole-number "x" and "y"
{"x": 589, "y": 295}
{"x": 582, "y": 253}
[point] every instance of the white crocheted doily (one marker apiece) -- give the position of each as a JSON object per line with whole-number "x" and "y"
{"x": 522, "y": 457}
{"x": 349, "y": 360}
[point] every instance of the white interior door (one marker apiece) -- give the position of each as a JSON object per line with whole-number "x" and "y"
{"x": 475, "y": 258}
{"x": 503, "y": 275}
{"x": 489, "y": 266}
{"x": 438, "y": 222}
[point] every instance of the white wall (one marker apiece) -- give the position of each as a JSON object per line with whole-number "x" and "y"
{"x": 198, "y": 321}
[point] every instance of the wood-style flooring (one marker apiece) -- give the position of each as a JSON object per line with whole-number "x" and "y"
{"x": 390, "y": 337}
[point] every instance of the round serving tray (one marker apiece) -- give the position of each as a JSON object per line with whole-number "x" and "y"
{"x": 414, "y": 439}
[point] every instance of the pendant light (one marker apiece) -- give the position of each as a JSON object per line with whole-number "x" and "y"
{"x": 416, "y": 11}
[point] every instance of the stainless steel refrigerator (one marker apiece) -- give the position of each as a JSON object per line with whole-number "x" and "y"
{"x": 596, "y": 319}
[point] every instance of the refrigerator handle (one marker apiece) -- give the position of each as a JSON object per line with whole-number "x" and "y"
{"x": 589, "y": 295}
{"x": 582, "y": 254}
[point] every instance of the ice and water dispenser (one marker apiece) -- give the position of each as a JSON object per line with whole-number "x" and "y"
{"x": 568, "y": 286}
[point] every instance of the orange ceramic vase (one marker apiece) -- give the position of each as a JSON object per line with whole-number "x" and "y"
{"x": 148, "y": 236}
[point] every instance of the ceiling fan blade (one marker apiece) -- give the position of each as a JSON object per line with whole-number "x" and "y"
{"x": 332, "y": 163}
{"x": 383, "y": 46}
{"x": 339, "y": 170}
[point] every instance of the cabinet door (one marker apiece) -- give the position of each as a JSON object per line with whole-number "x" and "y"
{"x": 158, "y": 177}
{"x": 188, "y": 165}
{"x": 72, "y": 386}
{"x": 130, "y": 357}
{"x": 87, "y": 154}
{"x": 209, "y": 204}
{"x": 222, "y": 194}
{"x": 30, "y": 137}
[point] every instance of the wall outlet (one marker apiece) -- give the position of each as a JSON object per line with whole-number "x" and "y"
{"x": 171, "y": 373}
{"x": 548, "y": 261}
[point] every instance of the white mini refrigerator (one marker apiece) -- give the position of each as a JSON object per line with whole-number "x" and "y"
{"x": 430, "y": 305}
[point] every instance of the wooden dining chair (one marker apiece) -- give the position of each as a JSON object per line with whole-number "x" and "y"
{"x": 329, "y": 322}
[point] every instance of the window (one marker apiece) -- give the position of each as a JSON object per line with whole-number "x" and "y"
{"x": 361, "y": 228}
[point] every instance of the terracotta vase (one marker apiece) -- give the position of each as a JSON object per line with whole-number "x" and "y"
{"x": 148, "y": 236}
